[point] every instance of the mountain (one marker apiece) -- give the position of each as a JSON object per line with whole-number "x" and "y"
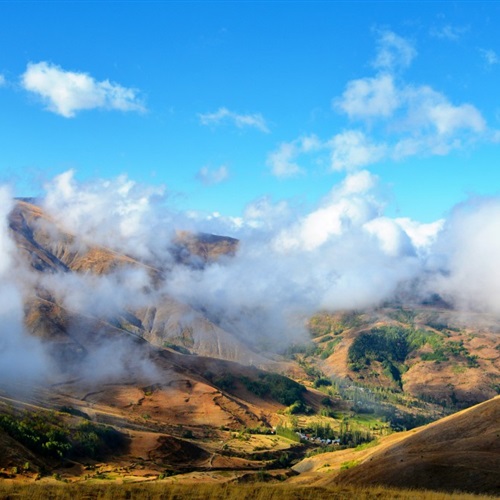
{"x": 164, "y": 321}
{"x": 140, "y": 384}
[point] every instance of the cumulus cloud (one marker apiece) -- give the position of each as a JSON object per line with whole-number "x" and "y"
{"x": 394, "y": 119}
{"x": 449, "y": 32}
{"x": 393, "y": 51}
{"x": 67, "y": 92}
{"x": 369, "y": 97}
{"x": 224, "y": 115}
{"x": 418, "y": 108}
{"x": 348, "y": 204}
{"x": 490, "y": 57}
{"x": 283, "y": 161}
{"x": 349, "y": 150}
{"x": 263, "y": 213}
{"x": 422, "y": 235}
{"x": 393, "y": 240}
{"x": 411, "y": 119}
{"x": 352, "y": 149}
{"x": 209, "y": 176}
{"x": 429, "y": 110}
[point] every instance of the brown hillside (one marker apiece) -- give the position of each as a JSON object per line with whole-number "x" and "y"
{"x": 460, "y": 452}
{"x": 458, "y": 366}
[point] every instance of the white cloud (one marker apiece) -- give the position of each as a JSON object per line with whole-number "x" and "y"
{"x": 116, "y": 213}
{"x": 448, "y": 118}
{"x": 21, "y": 356}
{"x": 348, "y": 205}
{"x": 209, "y": 177}
{"x": 352, "y": 149}
{"x": 263, "y": 213}
{"x": 3, "y": 81}
{"x": 283, "y": 160}
{"x": 392, "y": 238}
{"x": 369, "y": 97}
{"x": 422, "y": 235}
{"x": 343, "y": 253}
{"x": 222, "y": 115}
{"x": 360, "y": 182}
{"x": 393, "y": 51}
{"x": 412, "y": 119}
{"x": 430, "y": 124}
{"x": 66, "y": 92}
{"x": 397, "y": 119}
{"x": 468, "y": 247}
{"x": 416, "y": 110}
{"x": 495, "y": 136}
{"x": 490, "y": 56}
{"x": 449, "y": 32}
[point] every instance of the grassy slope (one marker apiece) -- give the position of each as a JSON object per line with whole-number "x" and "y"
{"x": 258, "y": 491}
{"x": 459, "y": 452}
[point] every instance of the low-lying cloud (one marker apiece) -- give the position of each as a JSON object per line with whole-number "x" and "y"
{"x": 345, "y": 253}
{"x": 21, "y": 356}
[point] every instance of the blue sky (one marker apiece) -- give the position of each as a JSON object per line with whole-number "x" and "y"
{"x": 228, "y": 102}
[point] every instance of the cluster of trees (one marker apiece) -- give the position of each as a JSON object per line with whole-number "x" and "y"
{"x": 277, "y": 387}
{"x": 48, "y": 435}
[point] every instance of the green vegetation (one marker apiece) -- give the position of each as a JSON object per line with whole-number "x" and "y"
{"x": 326, "y": 324}
{"x": 349, "y": 464}
{"x": 299, "y": 407}
{"x": 391, "y": 346}
{"x": 406, "y": 316}
{"x": 309, "y": 349}
{"x": 47, "y": 434}
{"x": 288, "y": 433}
{"x": 444, "y": 349}
{"x": 365, "y": 446}
{"x": 225, "y": 381}
{"x": 327, "y": 350}
{"x": 322, "y": 381}
{"x": 273, "y": 385}
{"x": 278, "y": 387}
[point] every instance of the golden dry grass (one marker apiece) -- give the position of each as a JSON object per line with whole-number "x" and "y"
{"x": 258, "y": 491}
{"x": 459, "y": 451}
